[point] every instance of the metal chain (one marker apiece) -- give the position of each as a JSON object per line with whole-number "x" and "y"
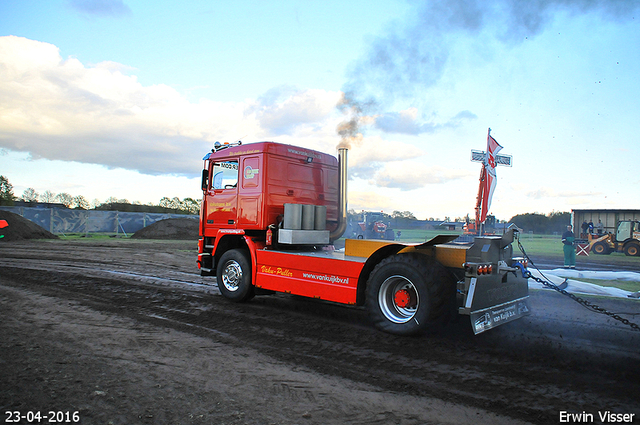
{"x": 582, "y": 301}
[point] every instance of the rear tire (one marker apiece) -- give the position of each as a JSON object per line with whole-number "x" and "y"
{"x": 234, "y": 276}
{"x": 632, "y": 249}
{"x": 408, "y": 294}
{"x": 600, "y": 248}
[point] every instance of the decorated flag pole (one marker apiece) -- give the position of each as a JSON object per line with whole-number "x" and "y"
{"x": 487, "y": 186}
{"x": 479, "y": 198}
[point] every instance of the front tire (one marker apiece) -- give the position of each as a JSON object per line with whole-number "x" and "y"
{"x": 600, "y": 248}
{"x": 408, "y": 294}
{"x": 234, "y": 276}
{"x": 632, "y": 249}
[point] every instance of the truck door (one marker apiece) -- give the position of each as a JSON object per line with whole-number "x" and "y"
{"x": 624, "y": 231}
{"x": 222, "y": 198}
{"x": 250, "y": 196}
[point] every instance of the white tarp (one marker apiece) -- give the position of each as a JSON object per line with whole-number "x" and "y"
{"x": 557, "y": 277}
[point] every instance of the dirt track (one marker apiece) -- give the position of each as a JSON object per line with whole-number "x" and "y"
{"x": 125, "y": 332}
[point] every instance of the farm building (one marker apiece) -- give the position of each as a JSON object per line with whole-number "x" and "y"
{"x": 609, "y": 219}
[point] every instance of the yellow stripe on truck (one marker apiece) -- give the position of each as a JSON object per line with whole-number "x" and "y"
{"x": 363, "y": 248}
{"x": 447, "y": 255}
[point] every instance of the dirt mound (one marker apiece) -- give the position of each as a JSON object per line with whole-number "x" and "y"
{"x": 171, "y": 228}
{"x": 19, "y": 228}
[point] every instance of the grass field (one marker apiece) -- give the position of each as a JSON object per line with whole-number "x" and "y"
{"x": 544, "y": 245}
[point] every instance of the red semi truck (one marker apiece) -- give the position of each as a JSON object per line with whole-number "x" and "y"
{"x": 271, "y": 212}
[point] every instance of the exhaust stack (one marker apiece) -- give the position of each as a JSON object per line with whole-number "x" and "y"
{"x": 342, "y": 195}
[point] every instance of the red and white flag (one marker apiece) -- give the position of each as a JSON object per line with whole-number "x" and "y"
{"x": 489, "y": 183}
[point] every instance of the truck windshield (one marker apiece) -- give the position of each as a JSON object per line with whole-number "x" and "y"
{"x": 225, "y": 175}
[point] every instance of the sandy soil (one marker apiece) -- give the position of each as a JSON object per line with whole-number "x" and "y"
{"x": 14, "y": 228}
{"x": 127, "y": 332}
{"x": 171, "y": 228}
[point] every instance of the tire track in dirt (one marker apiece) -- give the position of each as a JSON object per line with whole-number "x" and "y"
{"x": 113, "y": 368}
{"x": 530, "y": 369}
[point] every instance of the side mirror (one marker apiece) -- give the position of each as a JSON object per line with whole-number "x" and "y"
{"x": 205, "y": 179}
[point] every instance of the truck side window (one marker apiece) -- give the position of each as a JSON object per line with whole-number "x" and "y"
{"x": 225, "y": 175}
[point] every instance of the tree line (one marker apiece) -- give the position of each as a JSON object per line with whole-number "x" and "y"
{"x": 554, "y": 222}
{"x": 165, "y": 205}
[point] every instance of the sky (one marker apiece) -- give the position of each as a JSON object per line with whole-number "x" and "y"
{"x": 123, "y": 98}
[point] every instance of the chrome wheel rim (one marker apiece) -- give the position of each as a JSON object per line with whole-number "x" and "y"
{"x": 232, "y": 276}
{"x": 391, "y": 290}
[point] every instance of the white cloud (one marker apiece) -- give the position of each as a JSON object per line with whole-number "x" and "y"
{"x": 64, "y": 110}
{"x": 374, "y": 149}
{"x": 410, "y": 175}
{"x": 284, "y": 109}
{"x": 408, "y": 122}
{"x": 369, "y": 201}
{"x": 546, "y": 192}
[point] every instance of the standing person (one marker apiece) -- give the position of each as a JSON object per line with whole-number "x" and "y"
{"x": 585, "y": 226}
{"x": 600, "y": 227}
{"x": 568, "y": 239}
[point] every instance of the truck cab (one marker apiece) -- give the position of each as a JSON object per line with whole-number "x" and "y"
{"x": 246, "y": 187}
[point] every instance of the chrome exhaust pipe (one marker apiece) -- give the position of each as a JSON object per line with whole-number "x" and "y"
{"x": 342, "y": 195}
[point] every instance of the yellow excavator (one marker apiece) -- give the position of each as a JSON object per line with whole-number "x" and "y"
{"x": 626, "y": 239}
